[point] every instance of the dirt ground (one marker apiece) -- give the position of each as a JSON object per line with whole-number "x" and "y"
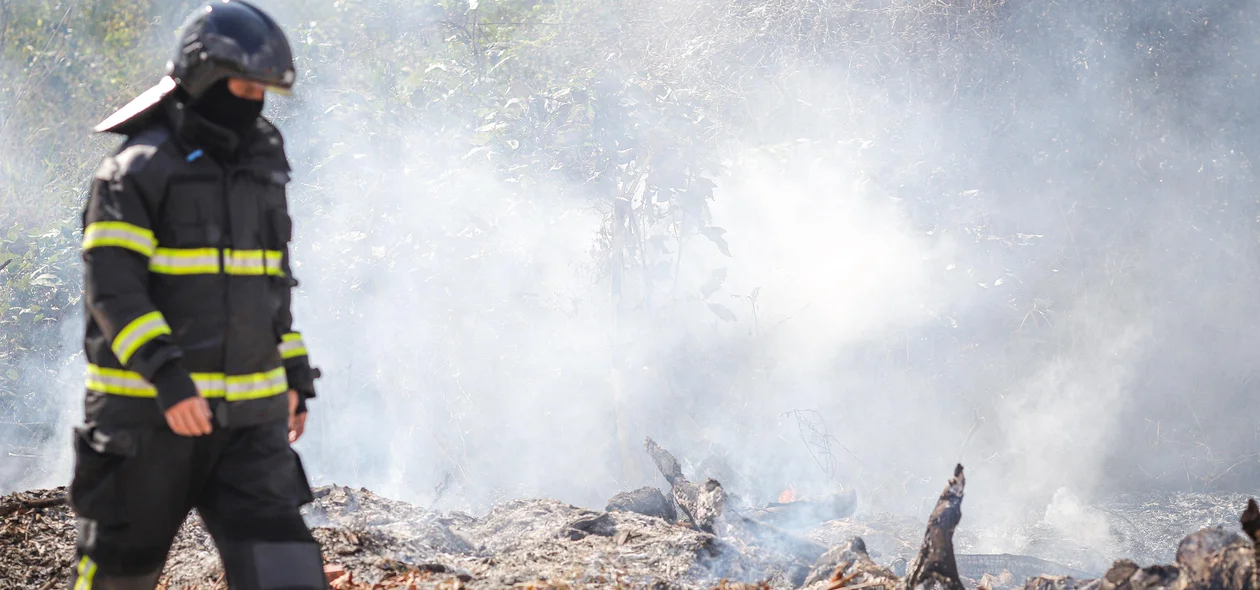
{"x": 373, "y": 543}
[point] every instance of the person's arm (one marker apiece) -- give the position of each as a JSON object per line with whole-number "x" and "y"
{"x": 118, "y": 241}
{"x": 297, "y": 364}
{"x": 291, "y": 345}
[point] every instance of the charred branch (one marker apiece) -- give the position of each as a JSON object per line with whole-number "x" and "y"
{"x": 709, "y": 509}
{"x": 665, "y": 462}
{"x": 683, "y": 492}
{"x": 21, "y": 504}
{"x": 1251, "y": 525}
{"x": 935, "y": 567}
{"x": 647, "y": 501}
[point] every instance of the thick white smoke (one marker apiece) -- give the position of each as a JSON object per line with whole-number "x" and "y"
{"x": 915, "y": 276}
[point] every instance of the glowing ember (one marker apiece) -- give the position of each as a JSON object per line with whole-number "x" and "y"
{"x": 788, "y": 495}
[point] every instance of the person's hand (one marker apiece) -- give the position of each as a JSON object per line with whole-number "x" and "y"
{"x": 190, "y": 417}
{"x": 297, "y": 422}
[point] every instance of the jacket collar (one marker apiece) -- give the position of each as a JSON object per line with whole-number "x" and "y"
{"x": 197, "y": 132}
{"x": 261, "y": 145}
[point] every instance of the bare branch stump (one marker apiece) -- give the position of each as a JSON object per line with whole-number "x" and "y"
{"x": 935, "y": 567}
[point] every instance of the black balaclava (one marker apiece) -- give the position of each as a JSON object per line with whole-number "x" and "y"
{"x": 219, "y": 106}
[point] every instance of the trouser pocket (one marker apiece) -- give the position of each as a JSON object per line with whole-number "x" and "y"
{"x": 258, "y": 474}
{"x": 99, "y": 454}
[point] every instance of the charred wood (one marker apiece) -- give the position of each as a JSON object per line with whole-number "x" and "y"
{"x": 1251, "y": 526}
{"x": 665, "y": 462}
{"x": 21, "y": 504}
{"x": 708, "y": 508}
{"x": 935, "y": 567}
{"x": 647, "y": 501}
{"x": 686, "y": 495}
{"x": 594, "y": 524}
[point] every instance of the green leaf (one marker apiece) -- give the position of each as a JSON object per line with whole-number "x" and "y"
{"x": 714, "y": 283}
{"x": 715, "y": 235}
{"x": 722, "y": 312}
{"x": 46, "y": 280}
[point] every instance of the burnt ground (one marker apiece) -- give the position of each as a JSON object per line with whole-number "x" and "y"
{"x": 385, "y": 544}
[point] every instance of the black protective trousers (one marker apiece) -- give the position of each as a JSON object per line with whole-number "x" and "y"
{"x": 133, "y": 489}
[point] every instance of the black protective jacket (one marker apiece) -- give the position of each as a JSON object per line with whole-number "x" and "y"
{"x": 188, "y": 282}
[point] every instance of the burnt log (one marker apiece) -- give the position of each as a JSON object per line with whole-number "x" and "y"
{"x": 665, "y": 461}
{"x": 1250, "y": 521}
{"x": 647, "y": 501}
{"x": 21, "y": 504}
{"x": 596, "y": 524}
{"x": 935, "y": 567}
{"x": 685, "y": 494}
{"x": 700, "y": 504}
{"x": 708, "y": 508}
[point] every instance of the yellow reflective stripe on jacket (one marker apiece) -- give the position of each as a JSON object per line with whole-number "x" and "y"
{"x": 185, "y": 261}
{"x": 252, "y": 262}
{"x": 138, "y": 333}
{"x": 205, "y": 261}
{"x": 292, "y": 346}
{"x": 231, "y": 387}
{"x": 119, "y": 234}
{"x": 84, "y": 574}
{"x": 242, "y": 387}
{"x": 118, "y": 382}
{"x": 258, "y": 385}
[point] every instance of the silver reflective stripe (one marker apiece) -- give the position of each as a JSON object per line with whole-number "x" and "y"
{"x": 209, "y": 384}
{"x": 99, "y": 234}
{"x": 185, "y": 261}
{"x": 292, "y": 348}
{"x": 119, "y": 234}
{"x": 114, "y": 381}
{"x": 270, "y": 382}
{"x": 244, "y": 262}
{"x": 139, "y": 332}
{"x": 242, "y": 387}
{"x": 253, "y": 262}
{"x": 118, "y": 382}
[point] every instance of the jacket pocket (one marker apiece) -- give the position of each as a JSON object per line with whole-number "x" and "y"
{"x": 192, "y": 214}
{"x": 99, "y": 454}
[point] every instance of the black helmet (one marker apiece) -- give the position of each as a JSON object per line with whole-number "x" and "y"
{"x": 231, "y": 39}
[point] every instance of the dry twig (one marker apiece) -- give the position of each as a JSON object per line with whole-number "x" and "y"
{"x": 21, "y": 504}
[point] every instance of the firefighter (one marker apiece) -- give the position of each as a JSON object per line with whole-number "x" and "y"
{"x": 197, "y": 383}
